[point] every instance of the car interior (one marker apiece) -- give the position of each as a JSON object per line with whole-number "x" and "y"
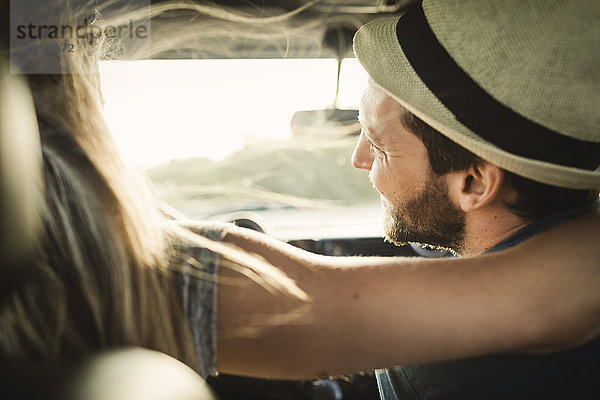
{"x": 281, "y": 189}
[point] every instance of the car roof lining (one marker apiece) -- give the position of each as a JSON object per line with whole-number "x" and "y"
{"x": 302, "y": 35}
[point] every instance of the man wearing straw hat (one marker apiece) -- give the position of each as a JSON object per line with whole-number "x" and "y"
{"x": 481, "y": 129}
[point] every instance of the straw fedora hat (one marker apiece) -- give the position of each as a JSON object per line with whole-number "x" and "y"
{"x": 517, "y": 82}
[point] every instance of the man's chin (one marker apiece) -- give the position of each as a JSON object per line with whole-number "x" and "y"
{"x": 410, "y": 240}
{"x": 394, "y": 230}
{"x": 437, "y": 247}
{"x": 399, "y": 233}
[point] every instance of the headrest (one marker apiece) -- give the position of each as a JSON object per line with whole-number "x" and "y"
{"x": 120, "y": 374}
{"x": 21, "y": 180}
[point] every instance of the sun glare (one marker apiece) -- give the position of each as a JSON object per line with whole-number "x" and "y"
{"x": 159, "y": 110}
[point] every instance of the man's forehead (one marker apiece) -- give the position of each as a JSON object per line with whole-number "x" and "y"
{"x": 375, "y": 95}
{"x": 378, "y": 112}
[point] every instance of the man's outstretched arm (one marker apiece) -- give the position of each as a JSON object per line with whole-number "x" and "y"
{"x": 376, "y": 312}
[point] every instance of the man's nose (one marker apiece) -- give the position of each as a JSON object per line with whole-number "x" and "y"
{"x": 362, "y": 158}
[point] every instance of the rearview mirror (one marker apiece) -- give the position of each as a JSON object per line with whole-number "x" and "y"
{"x": 328, "y": 123}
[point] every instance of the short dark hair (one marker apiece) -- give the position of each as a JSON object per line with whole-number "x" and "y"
{"x": 534, "y": 201}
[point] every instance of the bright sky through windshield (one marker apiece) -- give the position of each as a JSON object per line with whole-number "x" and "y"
{"x": 164, "y": 109}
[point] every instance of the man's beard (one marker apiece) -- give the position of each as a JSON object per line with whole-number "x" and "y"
{"x": 429, "y": 219}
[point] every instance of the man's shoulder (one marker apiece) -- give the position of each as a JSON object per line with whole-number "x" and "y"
{"x": 537, "y": 227}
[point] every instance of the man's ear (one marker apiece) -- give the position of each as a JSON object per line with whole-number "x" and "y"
{"x": 479, "y": 185}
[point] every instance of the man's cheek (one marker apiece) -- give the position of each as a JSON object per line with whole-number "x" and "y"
{"x": 376, "y": 181}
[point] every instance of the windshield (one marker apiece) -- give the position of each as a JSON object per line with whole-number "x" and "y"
{"x": 214, "y": 137}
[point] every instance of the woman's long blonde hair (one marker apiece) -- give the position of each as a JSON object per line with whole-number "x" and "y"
{"x": 104, "y": 264}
